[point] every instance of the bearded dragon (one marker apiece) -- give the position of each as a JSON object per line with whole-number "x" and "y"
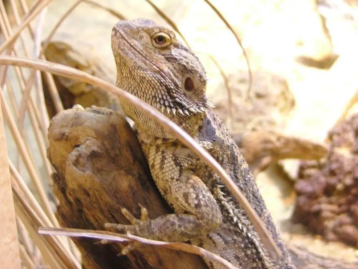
{"x": 155, "y": 66}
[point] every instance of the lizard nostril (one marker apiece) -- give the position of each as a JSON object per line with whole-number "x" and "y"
{"x": 189, "y": 84}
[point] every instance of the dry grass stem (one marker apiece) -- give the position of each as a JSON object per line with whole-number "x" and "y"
{"x": 24, "y": 239}
{"x": 109, "y": 10}
{"x": 228, "y": 25}
{"x": 114, "y": 237}
{"x": 35, "y": 212}
{"x": 36, "y": 215}
{"x": 169, "y": 21}
{"x": 39, "y": 88}
{"x": 26, "y": 158}
{"x": 36, "y": 10}
{"x": 25, "y": 258}
{"x": 226, "y": 82}
{"x": 58, "y": 24}
{"x": 51, "y": 253}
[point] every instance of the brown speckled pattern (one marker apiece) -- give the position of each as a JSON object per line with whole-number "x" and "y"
{"x": 205, "y": 213}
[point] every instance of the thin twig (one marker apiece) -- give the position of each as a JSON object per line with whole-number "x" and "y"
{"x": 49, "y": 246}
{"x": 58, "y": 24}
{"x": 34, "y": 211}
{"x": 34, "y": 114}
{"x": 109, "y": 10}
{"x": 27, "y": 100}
{"x": 26, "y": 158}
{"x": 238, "y": 41}
{"x": 39, "y": 87}
{"x": 24, "y": 238}
{"x": 4, "y": 32}
{"x": 25, "y": 87}
{"x": 226, "y": 82}
{"x": 25, "y": 23}
{"x": 110, "y": 236}
{"x": 40, "y": 142}
{"x": 169, "y": 21}
{"x": 25, "y": 258}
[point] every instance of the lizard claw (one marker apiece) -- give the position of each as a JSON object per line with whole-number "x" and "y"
{"x": 134, "y": 220}
{"x": 126, "y": 249}
{"x": 143, "y": 213}
{"x": 130, "y": 247}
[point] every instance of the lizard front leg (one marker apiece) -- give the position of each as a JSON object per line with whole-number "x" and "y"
{"x": 196, "y": 210}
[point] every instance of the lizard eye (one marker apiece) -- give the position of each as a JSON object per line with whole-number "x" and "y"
{"x": 161, "y": 40}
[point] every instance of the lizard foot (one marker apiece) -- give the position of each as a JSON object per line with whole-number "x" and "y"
{"x": 133, "y": 229}
{"x": 136, "y": 223}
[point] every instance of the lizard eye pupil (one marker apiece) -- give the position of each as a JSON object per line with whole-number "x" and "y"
{"x": 160, "y": 39}
{"x": 189, "y": 84}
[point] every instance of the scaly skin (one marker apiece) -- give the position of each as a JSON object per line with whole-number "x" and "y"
{"x": 153, "y": 65}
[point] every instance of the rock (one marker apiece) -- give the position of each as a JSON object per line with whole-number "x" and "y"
{"x": 327, "y": 201}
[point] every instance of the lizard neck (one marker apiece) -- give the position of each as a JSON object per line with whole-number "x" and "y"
{"x": 144, "y": 124}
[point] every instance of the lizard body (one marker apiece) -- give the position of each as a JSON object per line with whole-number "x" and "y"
{"x": 153, "y": 65}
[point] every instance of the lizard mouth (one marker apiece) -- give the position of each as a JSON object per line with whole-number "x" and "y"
{"x": 172, "y": 100}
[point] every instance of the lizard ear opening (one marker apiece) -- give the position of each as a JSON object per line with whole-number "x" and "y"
{"x": 189, "y": 84}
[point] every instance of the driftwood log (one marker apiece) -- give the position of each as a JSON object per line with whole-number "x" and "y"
{"x": 100, "y": 168}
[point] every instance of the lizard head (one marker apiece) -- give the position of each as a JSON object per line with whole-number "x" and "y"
{"x": 156, "y": 67}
